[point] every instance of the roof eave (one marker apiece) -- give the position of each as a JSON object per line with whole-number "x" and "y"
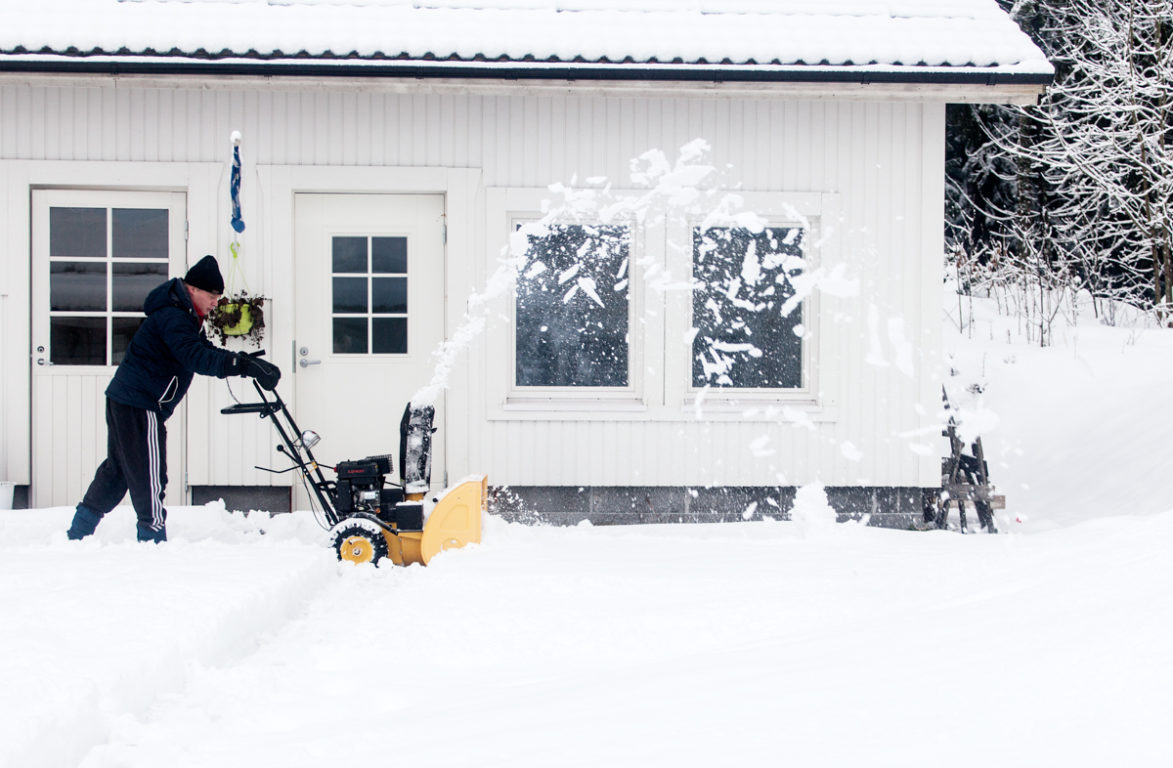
{"x": 1029, "y": 79}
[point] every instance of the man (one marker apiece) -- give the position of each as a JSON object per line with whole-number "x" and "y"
{"x": 168, "y": 348}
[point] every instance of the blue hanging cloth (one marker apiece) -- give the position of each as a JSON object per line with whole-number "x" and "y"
{"x": 234, "y": 184}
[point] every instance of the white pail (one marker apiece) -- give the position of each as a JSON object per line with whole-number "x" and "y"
{"x": 6, "y": 489}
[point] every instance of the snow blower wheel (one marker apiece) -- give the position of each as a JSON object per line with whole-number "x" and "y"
{"x": 358, "y": 544}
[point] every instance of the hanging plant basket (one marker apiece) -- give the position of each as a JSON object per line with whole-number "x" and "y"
{"x": 239, "y": 316}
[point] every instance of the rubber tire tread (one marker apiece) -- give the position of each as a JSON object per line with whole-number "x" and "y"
{"x": 378, "y": 543}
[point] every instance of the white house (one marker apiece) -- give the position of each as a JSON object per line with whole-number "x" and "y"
{"x": 391, "y": 147}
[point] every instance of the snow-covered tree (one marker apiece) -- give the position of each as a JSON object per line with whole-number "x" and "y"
{"x": 1079, "y": 190}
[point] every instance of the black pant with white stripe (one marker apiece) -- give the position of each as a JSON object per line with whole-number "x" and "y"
{"x": 136, "y": 460}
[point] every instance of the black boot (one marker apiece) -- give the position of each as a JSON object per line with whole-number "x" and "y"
{"x": 85, "y": 520}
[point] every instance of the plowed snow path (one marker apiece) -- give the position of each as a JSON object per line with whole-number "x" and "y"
{"x": 669, "y": 645}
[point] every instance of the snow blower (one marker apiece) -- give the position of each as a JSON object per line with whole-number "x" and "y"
{"x": 369, "y": 517}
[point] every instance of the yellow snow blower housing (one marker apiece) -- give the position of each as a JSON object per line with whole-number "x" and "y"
{"x": 453, "y": 521}
{"x": 370, "y": 518}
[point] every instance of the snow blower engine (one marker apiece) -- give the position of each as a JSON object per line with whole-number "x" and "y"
{"x": 368, "y": 516}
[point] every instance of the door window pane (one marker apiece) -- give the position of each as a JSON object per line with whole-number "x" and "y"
{"x": 572, "y": 309}
{"x": 122, "y": 331}
{"x": 350, "y": 294}
{"x": 747, "y": 329}
{"x": 389, "y": 255}
{"x": 133, "y": 281}
{"x": 77, "y": 286}
{"x": 349, "y": 254}
{"x": 139, "y": 233}
{"x": 77, "y": 233}
{"x": 389, "y": 335}
{"x": 350, "y": 335}
{"x": 359, "y": 288}
{"x": 77, "y": 340}
{"x": 389, "y": 294}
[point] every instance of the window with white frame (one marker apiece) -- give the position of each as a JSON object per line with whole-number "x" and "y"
{"x": 103, "y": 261}
{"x": 648, "y": 319}
{"x": 369, "y": 295}
{"x": 572, "y": 308}
{"x": 747, "y": 318}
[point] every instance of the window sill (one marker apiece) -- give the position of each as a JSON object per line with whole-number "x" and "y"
{"x": 762, "y": 410}
{"x": 568, "y": 403}
{"x": 799, "y": 411}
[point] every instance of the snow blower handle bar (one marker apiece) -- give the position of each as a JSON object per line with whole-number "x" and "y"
{"x": 265, "y": 409}
{"x": 296, "y": 449}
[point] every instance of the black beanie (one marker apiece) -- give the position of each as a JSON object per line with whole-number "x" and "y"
{"x": 205, "y": 275}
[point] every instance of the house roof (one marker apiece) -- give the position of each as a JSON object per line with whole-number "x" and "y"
{"x": 910, "y": 41}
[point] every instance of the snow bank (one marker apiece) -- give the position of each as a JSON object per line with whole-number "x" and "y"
{"x": 1075, "y": 431}
{"x": 667, "y": 645}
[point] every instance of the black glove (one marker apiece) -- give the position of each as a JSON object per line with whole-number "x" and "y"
{"x": 266, "y": 374}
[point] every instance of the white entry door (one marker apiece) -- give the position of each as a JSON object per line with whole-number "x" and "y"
{"x": 96, "y": 256}
{"x": 369, "y": 275}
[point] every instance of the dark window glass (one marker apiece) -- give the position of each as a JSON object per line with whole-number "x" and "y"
{"x": 572, "y": 309}
{"x": 350, "y": 335}
{"x": 745, "y": 329}
{"x": 132, "y": 282}
{"x": 102, "y": 261}
{"x": 123, "y": 330}
{"x": 389, "y": 255}
{"x": 389, "y": 335}
{"x": 77, "y": 286}
{"x": 350, "y": 294}
{"x": 349, "y": 254}
{"x": 77, "y": 340}
{"x": 389, "y": 294}
{"x": 77, "y": 233}
{"x": 139, "y": 233}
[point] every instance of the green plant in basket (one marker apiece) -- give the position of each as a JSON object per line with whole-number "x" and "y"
{"x": 239, "y": 315}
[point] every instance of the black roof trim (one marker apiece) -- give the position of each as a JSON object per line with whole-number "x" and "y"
{"x": 624, "y": 72}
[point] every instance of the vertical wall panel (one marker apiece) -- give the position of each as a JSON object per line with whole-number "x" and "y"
{"x": 867, "y": 153}
{"x": 67, "y": 122}
{"x": 7, "y": 126}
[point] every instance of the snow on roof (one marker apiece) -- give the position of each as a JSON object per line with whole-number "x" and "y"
{"x": 954, "y": 35}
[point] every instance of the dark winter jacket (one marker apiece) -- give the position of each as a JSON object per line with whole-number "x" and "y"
{"x": 168, "y": 348}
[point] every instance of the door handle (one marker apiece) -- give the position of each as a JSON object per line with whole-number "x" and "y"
{"x": 304, "y": 363}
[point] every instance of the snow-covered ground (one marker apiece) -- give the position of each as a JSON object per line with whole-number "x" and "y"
{"x": 242, "y": 642}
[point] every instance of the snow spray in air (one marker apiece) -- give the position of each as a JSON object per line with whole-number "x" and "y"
{"x": 598, "y": 267}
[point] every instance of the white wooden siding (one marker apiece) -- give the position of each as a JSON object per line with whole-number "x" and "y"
{"x": 881, "y": 158}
